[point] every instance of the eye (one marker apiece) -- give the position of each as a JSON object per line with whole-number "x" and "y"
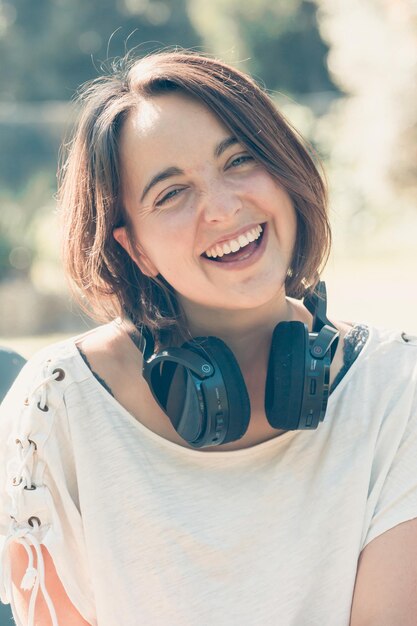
{"x": 168, "y": 196}
{"x": 240, "y": 160}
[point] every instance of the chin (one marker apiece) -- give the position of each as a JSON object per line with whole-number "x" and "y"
{"x": 251, "y": 300}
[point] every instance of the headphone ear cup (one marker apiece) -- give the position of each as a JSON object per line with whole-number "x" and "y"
{"x": 223, "y": 359}
{"x": 286, "y": 374}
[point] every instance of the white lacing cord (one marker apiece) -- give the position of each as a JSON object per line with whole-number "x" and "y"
{"x": 33, "y": 578}
{"x": 42, "y": 387}
{"x": 22, "y": 477}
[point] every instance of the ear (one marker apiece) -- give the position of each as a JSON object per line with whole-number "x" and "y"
{"x": 142, "y": 261}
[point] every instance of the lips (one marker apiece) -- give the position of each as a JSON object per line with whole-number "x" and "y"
{"x": 244, "y": 257}
{"x": 233, "y": 243}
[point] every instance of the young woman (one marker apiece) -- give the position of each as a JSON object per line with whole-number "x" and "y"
{"x": 180, "y": 464}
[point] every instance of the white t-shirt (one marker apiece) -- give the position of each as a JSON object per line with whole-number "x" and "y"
{"x": 144, "y": 531}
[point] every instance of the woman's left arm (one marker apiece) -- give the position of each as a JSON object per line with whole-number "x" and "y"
{"x": 386, "y": 582}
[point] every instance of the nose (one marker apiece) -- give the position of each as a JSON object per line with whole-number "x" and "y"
{"x": 220, "y": 203}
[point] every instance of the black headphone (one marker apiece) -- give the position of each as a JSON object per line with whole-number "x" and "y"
{"x": 201, "y": 388}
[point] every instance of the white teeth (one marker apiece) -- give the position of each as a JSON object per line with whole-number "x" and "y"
{"x": 243, "y": 241}
{"x": 234, "y": 244}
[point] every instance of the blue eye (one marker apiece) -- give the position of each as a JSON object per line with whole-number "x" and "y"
{"x": 240, "y": 160}
{"x": 171, "y": 194}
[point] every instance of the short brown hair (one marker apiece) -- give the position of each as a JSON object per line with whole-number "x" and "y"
{"x": 109, "y": 282}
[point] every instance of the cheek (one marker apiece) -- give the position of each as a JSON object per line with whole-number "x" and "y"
{"x": 280, "y": 205}
{"x": 292, "y": 227}
{"x": 167, "y": 243}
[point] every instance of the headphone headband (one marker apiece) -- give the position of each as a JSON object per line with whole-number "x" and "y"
{"x": 316, "y": 303}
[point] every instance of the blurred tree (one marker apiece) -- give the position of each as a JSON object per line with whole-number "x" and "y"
{"x": 278, "y": 42}
{"x": 18, "y": 217}
{"x": 47, "y": 46}
{"x": 25, "y": 150}
{"x": 371, "y": 134}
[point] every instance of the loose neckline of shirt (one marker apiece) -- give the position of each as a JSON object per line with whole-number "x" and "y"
{"x": 260, "y": 448}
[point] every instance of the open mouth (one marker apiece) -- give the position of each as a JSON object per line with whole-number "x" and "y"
{"x": 245, "y": 252}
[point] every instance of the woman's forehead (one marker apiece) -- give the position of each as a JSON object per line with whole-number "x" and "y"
{"x": 171, "y": 114}
{"x": 169, "y": 130}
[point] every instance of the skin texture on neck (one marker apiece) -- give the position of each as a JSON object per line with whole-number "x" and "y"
{"x": 247, "y": 332}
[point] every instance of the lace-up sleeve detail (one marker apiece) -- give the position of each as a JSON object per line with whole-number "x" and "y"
{"x": 38, "y": 496}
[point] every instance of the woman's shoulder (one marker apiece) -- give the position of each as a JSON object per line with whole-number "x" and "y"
{"x": 63, "y": 359}
{"x": 107, "y": 341}
{"x": 386, "y": 343}
{"x": 108, "y": 351}
{"x": 387, "y": 356}
{"x": 379, "y": 352}
{"x": 394, "y": 352}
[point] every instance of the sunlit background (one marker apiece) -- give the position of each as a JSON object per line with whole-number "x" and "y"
{"x": 344, "y": 73}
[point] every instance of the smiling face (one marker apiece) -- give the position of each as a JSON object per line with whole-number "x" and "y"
{"x": 205, "y": 215}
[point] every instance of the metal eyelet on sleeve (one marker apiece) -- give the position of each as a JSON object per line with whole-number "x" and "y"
{"x": 409, "y": 339}
{"x": 28, "y": 531}
{"x": 60, "y": 372}
{"x": 40, "y": 390}
{"x": 18, "y": 441}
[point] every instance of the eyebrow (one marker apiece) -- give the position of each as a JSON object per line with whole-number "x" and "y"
{"x": 176, "y": 171}
{"x": 167, "y": 173}
{"x": 223, "y": 145}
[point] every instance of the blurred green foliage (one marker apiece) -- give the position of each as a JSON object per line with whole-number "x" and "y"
{"x": 25, "y": 151}
{"x": 278, "y": 42}
{"x": 19, "y": 218}
{"x": 47, "y": 46}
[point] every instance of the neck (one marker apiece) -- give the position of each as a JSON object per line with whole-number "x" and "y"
{"x": 247, "y": 332}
